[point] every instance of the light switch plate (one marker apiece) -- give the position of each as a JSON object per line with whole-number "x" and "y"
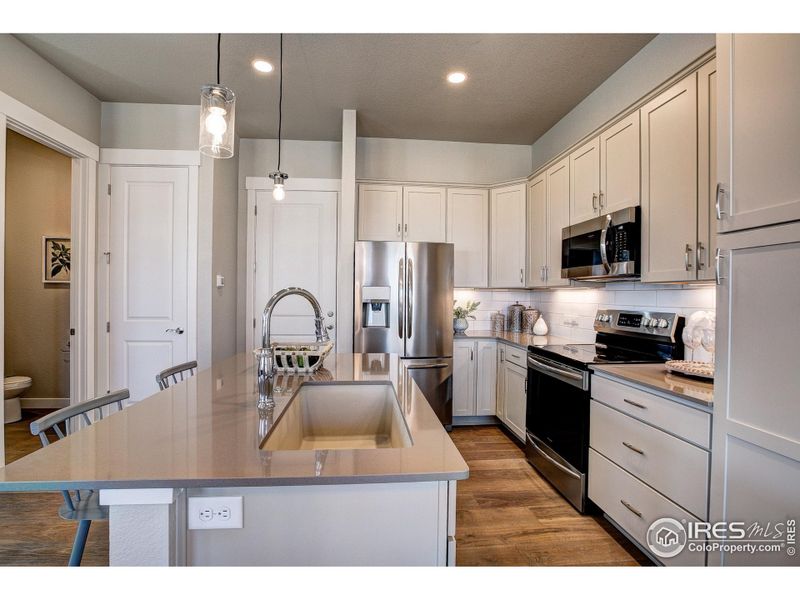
{"x": 215, "y": 512}
{"x": 220, "y": 281}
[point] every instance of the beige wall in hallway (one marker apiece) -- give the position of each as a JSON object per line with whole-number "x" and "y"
{"x": 36, "y": 314}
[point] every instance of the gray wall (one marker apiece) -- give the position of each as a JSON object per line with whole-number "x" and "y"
{"x": 223, "y": 260}
{"x": 149, "y": 126}
{"x": 652, "y": 65}
{"x": 442, "y": 162}
{"x": 27, "y": 77}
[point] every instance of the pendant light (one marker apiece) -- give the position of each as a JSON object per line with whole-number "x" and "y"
{"x": 279, "y": 177}
{"x": 217, "y": 115}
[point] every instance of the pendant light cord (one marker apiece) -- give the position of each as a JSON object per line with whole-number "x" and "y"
{"x": 219, "y": 45}
{"x": 280, "y": 105}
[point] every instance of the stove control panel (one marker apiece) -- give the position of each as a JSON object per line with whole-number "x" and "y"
{"x": 651, "y": 324}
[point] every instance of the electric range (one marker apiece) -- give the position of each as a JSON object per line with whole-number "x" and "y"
{"x": 559, "y": 390}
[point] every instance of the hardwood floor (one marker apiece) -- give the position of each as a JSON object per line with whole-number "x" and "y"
{"x": 507, "y": 514}
{"x": 31, "y": 532}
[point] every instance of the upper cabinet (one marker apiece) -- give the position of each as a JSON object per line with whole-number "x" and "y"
{"x": 537, "y": 230}
{"x": 584, "y": 188}
{"x": 388, "y": 213}
{"x": 706, "y": 169}
{"x": 468, "y": 231}
{"x": 669, "y": 183}
{"x": 557, "y": 218}
{"x": 619, "y": 165}
{"x": 759, "y": 131}
{"x": 380, "y": 213}
{"x": 507, "y": 236}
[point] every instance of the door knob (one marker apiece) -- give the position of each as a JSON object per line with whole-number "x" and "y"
{"x": 329, "y": 327}
{"x": 330, "y": 313}
{"x": 177, "y": 330}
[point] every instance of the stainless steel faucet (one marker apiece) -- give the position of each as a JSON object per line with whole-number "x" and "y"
{"x": 266, "y": 321}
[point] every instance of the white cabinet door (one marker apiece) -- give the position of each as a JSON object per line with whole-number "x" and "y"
{"x": 468, "y": 231}
{"x": 463, "y": 378}
{"x": 380, "y": 212}
{"x": 424, "y": 214}
{"x": 507, "y": 257}
{"x": 584, "y": 169}
{"x": 537, "y": 230}
{"x": 500, "y": 410}
{"x": 515, "y": 388}
{"x": 755, "y": 472}
{"x": 486, "y": 387}
{"x": 759, "y": 129}
{"x": 619, "y": 165}
{"x": 557, "y": 219}
{"x": 148, "y": 274}
{"x": 669, "y": 183}
{"x": 706, "y": 169}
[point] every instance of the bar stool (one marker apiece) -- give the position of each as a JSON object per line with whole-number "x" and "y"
{"x": 175, "y": 374}
{"x": 79, "y": 505}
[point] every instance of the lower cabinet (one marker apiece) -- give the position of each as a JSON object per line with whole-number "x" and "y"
{"x": 474, "y": 377}
{"x": 512, "y": 389}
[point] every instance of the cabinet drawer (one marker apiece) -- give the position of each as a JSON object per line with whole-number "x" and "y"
{"x": 516, "y": 356}
{"x": 685, "y": 422}
{"x": 675, "y": 468}
{"x": 610, "y": 486}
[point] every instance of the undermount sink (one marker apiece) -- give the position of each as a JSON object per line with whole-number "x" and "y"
{"x": 340, "y": 416}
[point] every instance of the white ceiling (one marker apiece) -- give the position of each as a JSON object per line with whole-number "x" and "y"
{"x": 519, "y": 85}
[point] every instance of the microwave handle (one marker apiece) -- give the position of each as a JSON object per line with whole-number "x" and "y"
{"x": 603, "y": 239}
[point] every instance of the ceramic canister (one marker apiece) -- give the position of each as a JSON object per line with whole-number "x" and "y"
{"x": 515, "y": 317}
{"x": 529, "y": 317}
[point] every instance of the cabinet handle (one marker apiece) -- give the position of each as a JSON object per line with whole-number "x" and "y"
{"x": 699, "y": 256}
{"x": 405, "y": 228}
{"x": 686, "y": 260}
{"x": 522, "y": 275}
{"x": 717, "y": 276}
{"x": 594, "y": 201}
{"x": 541, "y": 273}
{"x": 526, "y": 385}
{"x": 632, "y": 447}
{"x": 636, "y": 404}
{"x": 471, "y": 355}
{"x": 630, "y": 508}
{"x": 718, "y": 201}
{"x": 601, "y": 199}
{"x": 398, "y": 230}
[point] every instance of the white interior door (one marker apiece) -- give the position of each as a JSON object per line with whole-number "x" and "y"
{"x": 148, "y": 296}
{"x": 295, "y": 246}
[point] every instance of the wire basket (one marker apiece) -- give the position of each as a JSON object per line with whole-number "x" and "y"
{"x": 300, "y": 358}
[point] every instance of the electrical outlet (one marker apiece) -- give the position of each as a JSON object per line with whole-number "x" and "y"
{"x": 215, "y": 512}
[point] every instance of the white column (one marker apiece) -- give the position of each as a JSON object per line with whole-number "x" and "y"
{"x": 145, "y": 527}
{"x": 347, "y": 235}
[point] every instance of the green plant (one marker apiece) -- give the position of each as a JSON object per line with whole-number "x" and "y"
{"x": 465, "y": 312}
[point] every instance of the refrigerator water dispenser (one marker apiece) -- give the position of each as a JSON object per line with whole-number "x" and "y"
{"x": 375, "y": 306}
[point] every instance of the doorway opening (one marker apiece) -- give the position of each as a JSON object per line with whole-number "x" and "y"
{"x": 37, "y": 272}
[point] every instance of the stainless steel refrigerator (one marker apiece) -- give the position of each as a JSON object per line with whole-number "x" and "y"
{"x": 403, "y": 305}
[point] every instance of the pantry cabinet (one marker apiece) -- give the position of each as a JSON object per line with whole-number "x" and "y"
{"x": 759, "y": 130}
{"x": 507, "y": 236}
{"x": 669, "y": 183}
{"x": 584, "y": 175}
{"x": 388, "y": 213}
{"x": 474, "y": 377}
{"x": 468, "y": 231}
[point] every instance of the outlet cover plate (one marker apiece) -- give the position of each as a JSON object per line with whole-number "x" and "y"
{"x": 215, "y": 512}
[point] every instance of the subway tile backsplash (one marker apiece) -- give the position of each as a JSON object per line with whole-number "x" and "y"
{"x": 570, "y": 312}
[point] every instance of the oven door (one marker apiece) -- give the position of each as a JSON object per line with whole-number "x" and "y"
{"x": 557, "y": 416}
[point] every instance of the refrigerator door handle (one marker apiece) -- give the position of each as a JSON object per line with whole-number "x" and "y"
{"x": 409, "y": 295}
{"x": 400, "y": 305}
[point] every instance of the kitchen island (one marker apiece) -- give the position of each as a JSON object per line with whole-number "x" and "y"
{"x": 203, "y": 438}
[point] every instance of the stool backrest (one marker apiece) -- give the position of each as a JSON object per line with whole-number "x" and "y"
{"x": 175, "y": 374}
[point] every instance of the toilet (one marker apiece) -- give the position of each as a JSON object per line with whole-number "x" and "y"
{"x": 13, "y": 388}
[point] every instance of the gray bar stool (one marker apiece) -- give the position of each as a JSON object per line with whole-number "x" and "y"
{"x": 82, "y": 506}
{"x": 175, "y": 374}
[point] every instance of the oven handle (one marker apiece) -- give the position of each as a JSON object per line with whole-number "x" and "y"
{"x": 579, "y": 378}
{"x": 603, "y": 250}
{"x": 550, "y": 459}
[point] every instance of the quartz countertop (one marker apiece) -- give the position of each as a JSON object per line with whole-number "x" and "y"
{"x": 521, "y": 340}
{"x": 206, "y": 431}
{"x": 656, "y": 376}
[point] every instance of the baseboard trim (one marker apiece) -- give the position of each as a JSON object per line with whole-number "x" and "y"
{"x": 54, "y": 403}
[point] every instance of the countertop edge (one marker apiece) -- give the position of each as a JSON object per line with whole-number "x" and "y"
{"x": 669, "y": 395}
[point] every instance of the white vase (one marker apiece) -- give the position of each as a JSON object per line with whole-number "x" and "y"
{"x": 540, "y": 328}
{"x": 460, "y": 326}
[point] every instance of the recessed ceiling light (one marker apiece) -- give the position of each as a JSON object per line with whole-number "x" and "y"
{"x": 263, "y": 66}
{"x": 456, "y": 77}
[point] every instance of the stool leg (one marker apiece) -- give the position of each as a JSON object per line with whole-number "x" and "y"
{"x": 79, "y": 544}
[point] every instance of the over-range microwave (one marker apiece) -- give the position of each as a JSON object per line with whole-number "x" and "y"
{"x": 603, "y": 248}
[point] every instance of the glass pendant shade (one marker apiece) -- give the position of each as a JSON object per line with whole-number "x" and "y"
{"x": 217, "y": 118}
